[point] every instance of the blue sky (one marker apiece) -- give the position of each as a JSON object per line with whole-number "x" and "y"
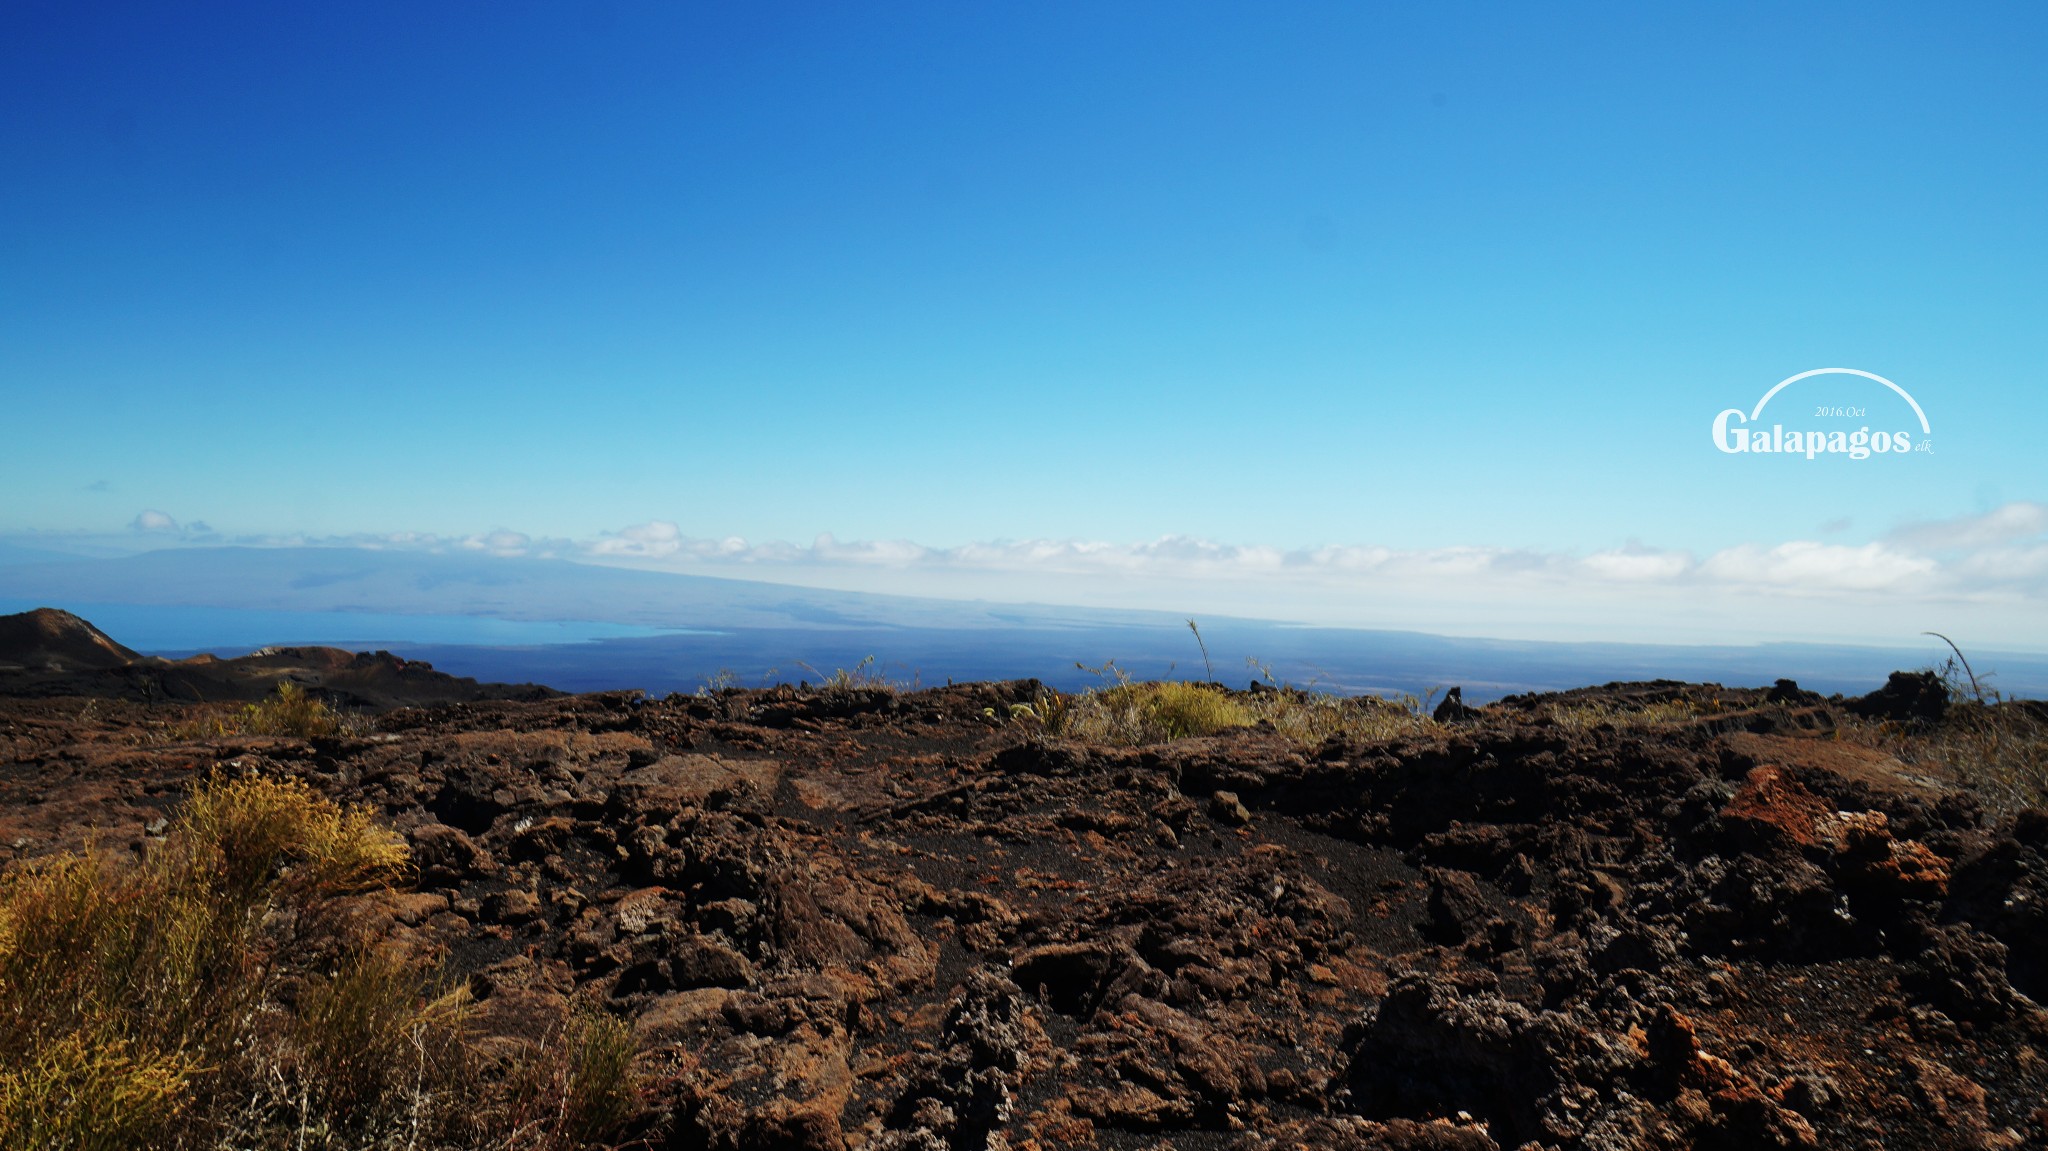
{"x": 1121, "y": 303}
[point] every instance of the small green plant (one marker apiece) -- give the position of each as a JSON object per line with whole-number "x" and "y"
{"x": 602, "y": 1092}
{"x": 1050, "y": 709}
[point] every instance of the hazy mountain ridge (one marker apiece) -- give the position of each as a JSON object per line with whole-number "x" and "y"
{"x": 49, "y": 652}
{"x": 360, "y": 579}
{"x": 768, "y": 633}
{"x": 48, "y": 639}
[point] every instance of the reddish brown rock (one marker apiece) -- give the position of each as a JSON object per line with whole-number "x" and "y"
{"x": 900, "y": 922}
{"x": 1771, "y": 805}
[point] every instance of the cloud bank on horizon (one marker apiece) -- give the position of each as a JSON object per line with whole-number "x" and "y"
{"x": 1983, "y": 575}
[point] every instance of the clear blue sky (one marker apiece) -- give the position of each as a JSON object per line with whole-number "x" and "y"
{"x": 1414, "y": 277}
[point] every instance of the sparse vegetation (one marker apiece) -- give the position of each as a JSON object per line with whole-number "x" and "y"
{"x": 1207, "y": 667}
{"x": 863, "y": 676}
{"x": 1998, "y": 750}
{"x": 1129, "y": 712}
{"x": 290, "y": 710}
{"x": 717, "y": 683}
{"x": 1995, "y": 747}
{"x": 1311, "y": 717}
{"x": 1161, "y": 711}
{"x": 576, "y": 1089}
{"x": 1588, "y": 716}
{"x": 224, "y": 991}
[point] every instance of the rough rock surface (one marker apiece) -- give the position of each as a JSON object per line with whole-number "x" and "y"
{"x": 863, "y": 919}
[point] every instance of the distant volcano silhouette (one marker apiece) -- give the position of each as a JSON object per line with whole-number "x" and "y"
{"x": 48, "y": 639}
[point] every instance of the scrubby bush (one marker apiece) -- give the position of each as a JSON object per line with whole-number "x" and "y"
{"x": 577, "y": 1088}
{"x": 1128, "y": 712}
{"x": 291, "y": 711}
{"x": 1997, "y": 749}
{"x": 1993, "y": 746}
{"x": 220, "y": 991}
{"x": 1311, "y": 717}
{"x": 867, "y": 675}
{"x": 1176, "y": 710}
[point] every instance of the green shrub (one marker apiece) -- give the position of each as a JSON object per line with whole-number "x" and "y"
{"x": 1179, "y": 710}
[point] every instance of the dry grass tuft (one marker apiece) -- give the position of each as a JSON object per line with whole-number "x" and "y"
{"x": 867, "y": 675}
{"x": 1635, "y": 717}
{"x": 1131, "y": 713}
{"x": 252, "y": 837}
{"x": 289, "y": 712}
{"x": 1993, "y": 747}
{"x": 576, "y": 1089}
{"x": 215, "y": 993}
{"x": 1999, "y": 750}
{"x": 1311, "y": 717}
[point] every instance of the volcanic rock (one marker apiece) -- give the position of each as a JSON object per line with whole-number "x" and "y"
{"x": 875, "y": 920}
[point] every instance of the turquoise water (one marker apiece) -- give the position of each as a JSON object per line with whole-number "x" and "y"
{"x": 182, "y": 631}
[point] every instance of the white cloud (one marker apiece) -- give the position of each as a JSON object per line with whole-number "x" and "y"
{"x": 642, "y": 541}
{"x": 2014, "y": 521}
{"x": 879, "y": 553}
{"x": 1637, "y": 565}
{"x": 1807, "y": 566}
{"x": 151, "y": 520}
{"x": 1796, "y": 567}
{"x": 2024, "y": 565}
{"x": 1792, "y": 589}
{"x": 1988, "y": 571}
{"x": 499, "y": 543}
